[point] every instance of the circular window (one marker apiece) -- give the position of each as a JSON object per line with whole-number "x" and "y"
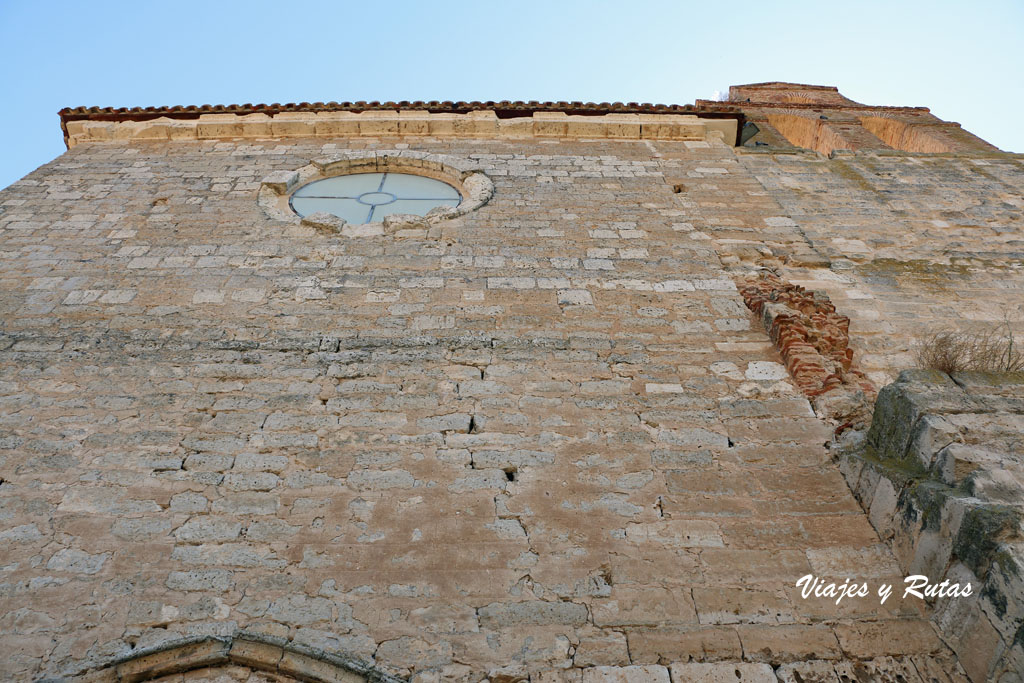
{"x": 369, "y": 197}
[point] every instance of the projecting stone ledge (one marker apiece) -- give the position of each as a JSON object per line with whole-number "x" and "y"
{"x": 941, "y": 475}
{"x": 474, "y": 124}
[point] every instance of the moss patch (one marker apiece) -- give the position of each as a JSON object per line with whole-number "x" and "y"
{"x": 844, "y": 170}
{"x": 925, "y": 274}
{"x": 981, "y": 533}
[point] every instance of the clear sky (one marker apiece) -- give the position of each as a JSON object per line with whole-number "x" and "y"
{"x": 963, "y": 60}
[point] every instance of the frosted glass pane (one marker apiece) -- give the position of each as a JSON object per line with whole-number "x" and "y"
{"x": 405, "y": 186}
{"x": 342, "y": 186}
{"x": 353, "y": 196}
{"x": 418, "y": 207}
{"x": 349, "y": 209}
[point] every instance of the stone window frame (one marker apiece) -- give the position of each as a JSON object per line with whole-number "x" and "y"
{"x": 463, "y": 174}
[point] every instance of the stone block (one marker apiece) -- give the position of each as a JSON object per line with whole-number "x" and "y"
{"x": 326, "y": 222}
{"x": 281, "y": 182}
{"x": 626, "y": 674}
{"x": 684, "y": 643}
{"x": 741, "y": 606}
{"x": 605, "y": 649}
{"x": 883, "y": 506}
{"x": 550, "y": 124}
{"x": 939, "y": 669}
{"x": 77, "y": 561}
{"x": 676, "y": 533}
{"x": 532, "y": 613}
{"x": 414, "y": 653}
{"x": 813, "y": 671}
{"x": 305, "y": 667}
{"x": 205, "y": 529}
{"x": 648, "y": 606}
{"x": 879, "y": 669}
{"x": 888, "y": 638}
{"x": 575, "y": 297}
{"x": 726, "y": 672}
{"x": 210, "y": 652}
{"x": 787, "y": 643}
{"x": 980, "y": 647}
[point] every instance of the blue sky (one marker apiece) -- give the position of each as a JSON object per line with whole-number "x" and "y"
{"x": 965, "y": 64}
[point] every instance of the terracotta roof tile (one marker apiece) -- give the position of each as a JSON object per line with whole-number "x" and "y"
{"x": 503, "y": 108}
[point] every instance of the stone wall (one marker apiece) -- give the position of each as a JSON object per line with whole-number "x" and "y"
{"x": 903, "y": 245}
{"x": 816, "y": 117}
{"x": 548, "y": 441}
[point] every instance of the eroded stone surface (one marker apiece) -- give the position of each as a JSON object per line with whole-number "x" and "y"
{"x": 546, "y": 440}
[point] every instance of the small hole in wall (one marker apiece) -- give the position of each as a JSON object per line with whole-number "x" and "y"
{"x": 679, "y": 188}
{"x": 510, "y": 474}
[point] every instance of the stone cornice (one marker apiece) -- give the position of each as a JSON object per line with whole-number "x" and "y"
{"x": 384, "y": 123}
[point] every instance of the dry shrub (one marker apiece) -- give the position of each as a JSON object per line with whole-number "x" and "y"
{"x": 992, "y": 351}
